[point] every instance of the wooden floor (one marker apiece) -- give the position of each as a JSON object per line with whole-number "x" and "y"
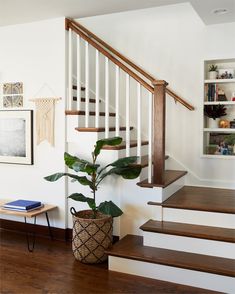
{"x": 52, "y": 269}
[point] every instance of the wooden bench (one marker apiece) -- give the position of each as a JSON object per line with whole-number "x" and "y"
{"x": 30, "y": 214}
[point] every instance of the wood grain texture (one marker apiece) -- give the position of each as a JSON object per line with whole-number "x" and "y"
{"x": 133, "y": 143}
{"x": 82, "y": 112}
{"x": 170, "y": 177}
{"x": 111, "y": 129}
{"x": 204, "y": 199}
{"x": 51, "y": 268}
{"x": 131, "y": 247}
{"x": 188, "y": 230}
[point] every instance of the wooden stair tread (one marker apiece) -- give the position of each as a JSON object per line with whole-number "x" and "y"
{"x": 131, "y": 247}
{"x": 188, "y": 230}
{"x": 82, "y": 88}
{"x": 82, "y": 112}
{"x": 91, "y": 100}
{"x": 170, "y": 177}
{"x": 133, "y": 143}
{"x": 204, "y": 199}
{"x": 111, "y": 129}
{"x": 143, "y": 162}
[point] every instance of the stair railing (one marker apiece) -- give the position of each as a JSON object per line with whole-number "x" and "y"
{"x": 156, "y": 96}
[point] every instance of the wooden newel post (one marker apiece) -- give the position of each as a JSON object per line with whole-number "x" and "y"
{"x": 159, "y": 114}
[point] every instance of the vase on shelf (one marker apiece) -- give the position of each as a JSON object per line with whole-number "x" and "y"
{"x": 212, "y": 75}
{"x": 213, "y": 123}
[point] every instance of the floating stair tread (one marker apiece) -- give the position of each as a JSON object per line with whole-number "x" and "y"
{"x": 144, "y": 161}
{"x": 75, "y": 88}
{"x": 188, "y": 230}
{"x": 82, "y": 112}
{"x": 111, "y": 129}
{"x": 91, "y": 100}
{"x": 204, "y": 199}
{"x": 121, "y": 146}
{"x": 170, "y": 177}
{"x": 131, "y": 247}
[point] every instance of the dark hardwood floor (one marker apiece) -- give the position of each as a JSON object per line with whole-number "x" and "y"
{"x": 53, "y": 269}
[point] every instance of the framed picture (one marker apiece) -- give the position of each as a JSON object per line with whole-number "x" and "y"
{"x": 16, "y": 136}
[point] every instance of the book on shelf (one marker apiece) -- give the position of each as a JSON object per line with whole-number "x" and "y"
{"x": 211, "y": 92}
{"x": 23, "y": 205}
{"x": 23, "y": 210}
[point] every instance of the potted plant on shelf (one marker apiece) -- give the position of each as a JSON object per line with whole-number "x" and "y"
{"x": 213, "y": 112}
{"x": 92, "y": 229}
{"x": 230, "y": 140}
{"x": 213, "y": 72}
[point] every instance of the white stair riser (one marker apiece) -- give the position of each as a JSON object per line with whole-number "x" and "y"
{"x": 206, "y": 218}
{"x": 173, "y": 274}
{"x": 188, "y": 244}
{"x": 92, "y": 106}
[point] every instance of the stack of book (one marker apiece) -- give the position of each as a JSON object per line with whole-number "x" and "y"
{"x": 22, "y": 205}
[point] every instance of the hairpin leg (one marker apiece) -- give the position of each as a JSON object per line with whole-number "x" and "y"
{"x": 33, "y": 234}
{"x": 49, "y": 227}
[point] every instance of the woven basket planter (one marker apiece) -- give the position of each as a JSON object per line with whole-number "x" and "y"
{"x": 91, "y": 237}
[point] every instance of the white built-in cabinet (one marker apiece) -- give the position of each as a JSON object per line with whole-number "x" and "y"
{"x": 219, "y": 90}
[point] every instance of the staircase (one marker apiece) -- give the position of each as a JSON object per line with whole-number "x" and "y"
{"x": 187, "y": 234}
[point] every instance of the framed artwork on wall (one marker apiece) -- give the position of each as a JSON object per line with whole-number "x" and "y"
{"x": 16, "y": 136}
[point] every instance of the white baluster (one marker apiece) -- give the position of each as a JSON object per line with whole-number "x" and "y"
{"x": 106, "y": 97}
{"x": 138, "y": 120}
{"x": 70, "y": 70}
{"x": 87, "y": 84}
{"x": 97, "y": 88}
{"x": 150, "y": 123}
{"x": 127, "y": 115}
{"x": 117, "y": 123}
{"x": 78, "y": 73}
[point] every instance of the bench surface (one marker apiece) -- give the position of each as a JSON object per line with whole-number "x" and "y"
{"x": 31, "y": 213}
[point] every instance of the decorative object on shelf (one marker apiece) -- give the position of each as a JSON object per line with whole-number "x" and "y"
{"x": 45, "y": 119}
{"x": 230, "y": 140}
{"x": 233, "y": 96}
{"x": 221, "y": 95}
{"x": 12, "y": 95}
{"x": 232, "y": 124}
{"x": 92, "y": 229}
{"x": 226, "y": 73}
{"x": 16, "y": 136}
{"x": 213, "y": 72}
{"x": 224, "y": 123}
{"x": 213, "y": 112}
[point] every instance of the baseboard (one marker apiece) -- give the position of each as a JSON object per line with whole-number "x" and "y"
{"x": 58, "y": 233}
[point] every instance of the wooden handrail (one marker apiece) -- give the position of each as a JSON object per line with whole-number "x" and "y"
{"x": 112, "y": 58}
{"x": 69, "y": 23}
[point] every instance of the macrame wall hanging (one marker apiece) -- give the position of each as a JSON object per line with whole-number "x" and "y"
{"x": 45, "y": 119}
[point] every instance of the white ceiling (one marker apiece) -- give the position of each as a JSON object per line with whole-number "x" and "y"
{"x": 23, "y": 11}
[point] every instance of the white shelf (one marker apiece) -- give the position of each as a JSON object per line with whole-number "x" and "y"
{"x": 219, "y": 102}
{"x": 219, "y": 81}
{"x": 219, "y": 130}
{"x": 218, "y": 156}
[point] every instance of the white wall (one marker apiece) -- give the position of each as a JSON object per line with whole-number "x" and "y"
{"x": 35, "y": 55}
{"x": 172, "y": 43}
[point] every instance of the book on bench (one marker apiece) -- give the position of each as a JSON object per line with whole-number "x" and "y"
{"x": 22, "y": 205}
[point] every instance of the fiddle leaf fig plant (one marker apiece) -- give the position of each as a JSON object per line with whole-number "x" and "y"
{"x": 95, "y": 174}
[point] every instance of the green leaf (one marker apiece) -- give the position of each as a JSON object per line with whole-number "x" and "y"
{"x": 108, "y": 141}
{"x": 80, "y": 197}
{"x": 123, "y": 162}
{"x": 79, "y": 165}
{"x": 82, "y": 180}
{"x": 128, "y": 172}
{"x": 54, "y": 177}
{"x": 109, "y": 208}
